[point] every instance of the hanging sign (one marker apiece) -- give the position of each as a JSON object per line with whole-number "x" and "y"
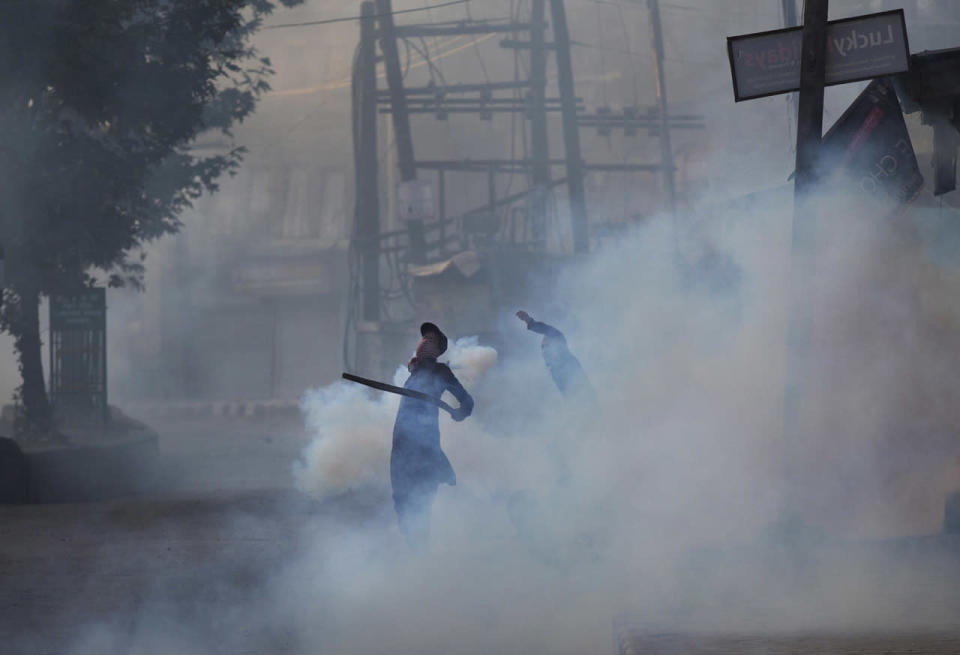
{"x": 859, "y": 48}
{"x": 870, "y": 144}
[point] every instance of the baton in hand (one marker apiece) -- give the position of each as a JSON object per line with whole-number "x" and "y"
{"x": 409, "y": 393}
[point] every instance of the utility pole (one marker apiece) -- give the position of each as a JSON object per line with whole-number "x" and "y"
{"x": 401, "y": 120}
{"x": 666, "y": 147}
{"x": 803, "y": 254}
{"x": 538, "y": 119}
{"x": 487, "y": 99}
{"x": 810, "y": 106}
{"x": 571, "y": 129}
{"x": 790, "y": 20}
{"x": 367, "y": 185}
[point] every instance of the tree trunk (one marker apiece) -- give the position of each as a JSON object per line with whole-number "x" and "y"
{"x": 33, "y": 393}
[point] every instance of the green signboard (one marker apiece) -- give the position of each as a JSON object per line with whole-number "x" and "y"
{"x": 86, "y": 310}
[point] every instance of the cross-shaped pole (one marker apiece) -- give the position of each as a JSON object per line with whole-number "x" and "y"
{"x": 803, "y": 249}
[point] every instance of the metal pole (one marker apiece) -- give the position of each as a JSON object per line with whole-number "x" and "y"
{"x": 367, "y": 184}
{"x": 538, "y": 118}
{"x": 492, "y": 188}
{"x": 401, "y": 119}
{"x": 102, "y": 336}
{"x": 571, "y": 129}
{"x": 441, "y": 195}
{"x": 666, "y": 147}
{"x": 803, "y": 254}
{"x": 810, "y": 107}
{"x": 790, "y": 19}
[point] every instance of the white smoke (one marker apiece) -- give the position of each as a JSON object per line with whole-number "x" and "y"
{"x": 568, "y": 513}
{"x": 661, "y": 500}
{"x": 352, "y": 446}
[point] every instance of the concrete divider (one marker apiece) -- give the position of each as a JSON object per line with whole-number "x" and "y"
{"x": 92, "y": 463}
{"x": 237, "y": 410}
{"x": 91, "y": 471}
{"x": 951, "y": 514}
{"x": 13, "y": 472}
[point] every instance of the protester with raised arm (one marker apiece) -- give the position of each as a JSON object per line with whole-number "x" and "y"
{"x": 564, "y": 367}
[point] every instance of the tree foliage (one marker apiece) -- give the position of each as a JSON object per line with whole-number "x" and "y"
{"x": 100, "y": 101}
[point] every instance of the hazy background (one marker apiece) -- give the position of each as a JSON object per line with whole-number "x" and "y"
{"x": 665, "y": 499}
{"x": 248, "y": 301}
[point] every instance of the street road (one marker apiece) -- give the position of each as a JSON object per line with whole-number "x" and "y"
{"x": 184, "y": 563}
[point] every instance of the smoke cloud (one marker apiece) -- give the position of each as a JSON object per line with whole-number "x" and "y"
{"x": 665, "y": 498}
{"x": 662, "y": 500}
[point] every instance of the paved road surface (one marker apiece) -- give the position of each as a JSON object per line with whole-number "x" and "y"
{"x": 192, "y": 552}
{"x": 807, "y": 644}
{"x": 67, "y": 568}
{"x": 186, "y": 566}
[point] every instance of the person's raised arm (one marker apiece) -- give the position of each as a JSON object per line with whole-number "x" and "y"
{"x": 538, "y": 327}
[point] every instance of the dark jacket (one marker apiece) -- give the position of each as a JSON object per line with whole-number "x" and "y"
{"x": 564, "y": 367}
{"x": 417, "y": 459}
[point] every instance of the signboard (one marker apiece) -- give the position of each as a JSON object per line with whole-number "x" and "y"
{"x": 3, "y": 274}
{"x": 415, "y": 201}
{"x": 871, "y": 145}
{"x": 78, "y": 357}
{"x": 859, "y": 48}
{"x": 86, "y": 310}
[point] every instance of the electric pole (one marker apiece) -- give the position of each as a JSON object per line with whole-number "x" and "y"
{"x": 571, "y": 129}
{"x": 538, "y": 120}
{"x": 810, "y": 105}
{"x": 401, "y": 120}
{"x": 790, "y": 20}
{"x": 803, "y": 249}
{"x": 666, "y": 147}
{"x": 419, "y": 242}
{"x": 367, "y": 185}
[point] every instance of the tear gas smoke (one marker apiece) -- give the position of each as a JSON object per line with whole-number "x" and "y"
{"x": 657, "y": 500}
{"x": 660, "y": 497}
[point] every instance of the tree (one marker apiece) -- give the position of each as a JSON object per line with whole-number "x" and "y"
{"x": 99, "y": 103}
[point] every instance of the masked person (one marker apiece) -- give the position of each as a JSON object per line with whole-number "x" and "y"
{"x": 564, "y": 367}
{"x": 417, "y": 464}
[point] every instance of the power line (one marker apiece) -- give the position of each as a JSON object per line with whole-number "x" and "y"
{"x": 476, "y": 49}
{"x": 626, "y": 42}
{"x": 638, "y": 55}
{"x": 346, "y": 19}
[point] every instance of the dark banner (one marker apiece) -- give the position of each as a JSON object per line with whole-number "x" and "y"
{"x": 870, "y": 143}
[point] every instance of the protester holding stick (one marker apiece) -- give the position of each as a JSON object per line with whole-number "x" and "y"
{"x": 417, "y": 463}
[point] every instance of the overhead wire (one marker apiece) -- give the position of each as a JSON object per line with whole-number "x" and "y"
{"x": 424, "y": 53}
{"x": 423, "y": 41}
{"x": 638, "y": 55}
{"x": 603, "y": 61}
{"x": 346, "y": 19}
{"x": 476, "y": 48}
{"x": 626, "y": 44}
{"x": 635, "y": 84}
{"x": 516, "y": 96}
